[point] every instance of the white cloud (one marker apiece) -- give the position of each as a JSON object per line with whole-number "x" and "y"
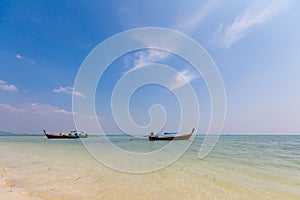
{"x": 34, "y": 108}
{"x": 242, "y": 24}
{"x": 8, "y": 87}
{"x": 182, "y": 78}
{"x": 18, "y": 56}
{"x": 68, "y": 90}
{"x": 141, "y": 58}
{"x": 34, "y": 117}
{"x": 42, "y": 109}
{"x": 76, "y": 93}
{"x": 187, "y": 23}
{"x": 10, "y": 108}
{"x": 45, "y": 109}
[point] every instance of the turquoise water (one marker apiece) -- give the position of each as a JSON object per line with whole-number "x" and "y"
{"x": 239, "y": 167}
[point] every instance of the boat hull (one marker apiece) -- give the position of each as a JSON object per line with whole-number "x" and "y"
{"x": 53, "y": 136}
{"x": 65, "y": 136}
{"x": 179, "y": 137}
{"x": 171, "y": 137}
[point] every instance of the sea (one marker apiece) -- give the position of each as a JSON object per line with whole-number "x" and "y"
{"x": 264, "y": 167}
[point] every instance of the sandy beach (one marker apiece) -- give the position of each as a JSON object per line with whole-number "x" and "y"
{"x": 10, "y": 191}
{"x": 31, "y": 171}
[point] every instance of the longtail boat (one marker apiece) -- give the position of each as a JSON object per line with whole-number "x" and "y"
{"x": 71, "y": 135}
{"x": 171, "y": 136}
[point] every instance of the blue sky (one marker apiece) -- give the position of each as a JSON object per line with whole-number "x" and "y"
{"x": 255, "y": 45}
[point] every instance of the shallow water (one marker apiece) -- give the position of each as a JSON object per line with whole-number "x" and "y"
{"x": 239, "y": 167}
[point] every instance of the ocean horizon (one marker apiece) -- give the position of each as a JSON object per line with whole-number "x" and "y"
{"x": 7, "y": 133}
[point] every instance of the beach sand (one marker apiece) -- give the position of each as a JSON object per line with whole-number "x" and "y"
{"x": 9, "y": 191}
{"x": 66, "y": 171}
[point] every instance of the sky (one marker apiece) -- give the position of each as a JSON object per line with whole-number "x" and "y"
{"x": 255, "y": 45}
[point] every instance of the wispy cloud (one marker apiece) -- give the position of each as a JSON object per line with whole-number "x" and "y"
{"x": 68, "y": 90}
{"x": 182, "y": 78}
{"x": 141, "y": 58}
{"x": 34, "y": 117}
{"x": 42, "y": 109}
{"x": 10, "y": 108}
{"x": 18, "y": 56}
{"x": 8, "y": 87}
{"x": 259, "y": 13}
{"x": 45, "y": 109}
{"x": 187, "y": 23}
{"x": 34, "y": 108}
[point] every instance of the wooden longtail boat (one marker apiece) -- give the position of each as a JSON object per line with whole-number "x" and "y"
{"x": 71, "y": 135}
{"x": 167, "y": 136}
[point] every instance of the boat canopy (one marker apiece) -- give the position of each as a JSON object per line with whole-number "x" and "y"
{"x": 171, "y": 133}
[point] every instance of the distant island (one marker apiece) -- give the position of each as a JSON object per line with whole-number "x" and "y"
{"x": 5, "y": 133}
